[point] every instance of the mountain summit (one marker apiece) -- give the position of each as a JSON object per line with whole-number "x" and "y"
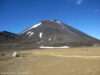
{"x": 56, "y": 33}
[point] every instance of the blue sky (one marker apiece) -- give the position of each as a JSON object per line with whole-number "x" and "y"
{"x": 17, "y": 15}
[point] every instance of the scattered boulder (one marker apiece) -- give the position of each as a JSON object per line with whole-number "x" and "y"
{"x": 16, "y": 54}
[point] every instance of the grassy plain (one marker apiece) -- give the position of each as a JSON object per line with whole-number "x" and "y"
{"x": 72, "y": 61}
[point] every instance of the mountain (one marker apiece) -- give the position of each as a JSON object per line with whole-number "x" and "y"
{"x": 8, "y": 37}
{"x": 46, "y": 34}
{"x": 10, "y": 41}
{"x": 56, "y": 33}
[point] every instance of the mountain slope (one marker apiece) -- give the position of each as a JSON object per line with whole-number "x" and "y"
{"x": 56, "y": 33}
{"x": 8, "y": 37}
{"x": 46, "y": 34}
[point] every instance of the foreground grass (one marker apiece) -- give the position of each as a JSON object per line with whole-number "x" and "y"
{"x": 52, "y": 62}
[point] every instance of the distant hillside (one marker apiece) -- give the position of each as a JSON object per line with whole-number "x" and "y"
{"x": 8, "y": 37}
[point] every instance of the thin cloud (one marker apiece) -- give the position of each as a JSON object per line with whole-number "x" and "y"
{"x": 78, "y": 2}
{"x": 3, "y": 26}
{"x": 96, "y": 10}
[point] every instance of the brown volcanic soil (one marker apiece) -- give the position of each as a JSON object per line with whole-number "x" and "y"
{"x": 74, "y": 61}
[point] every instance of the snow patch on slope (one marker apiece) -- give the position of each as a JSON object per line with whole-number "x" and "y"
{"x": 36, "y": 25}
{"x": 49, "y": 39}
{"x": 51, "y": 20}
{"x": 30, "y": 33}
{"x": 58, "y": 22}
{"x": 40, "y": 35}
{"x": 54, "y": 47}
